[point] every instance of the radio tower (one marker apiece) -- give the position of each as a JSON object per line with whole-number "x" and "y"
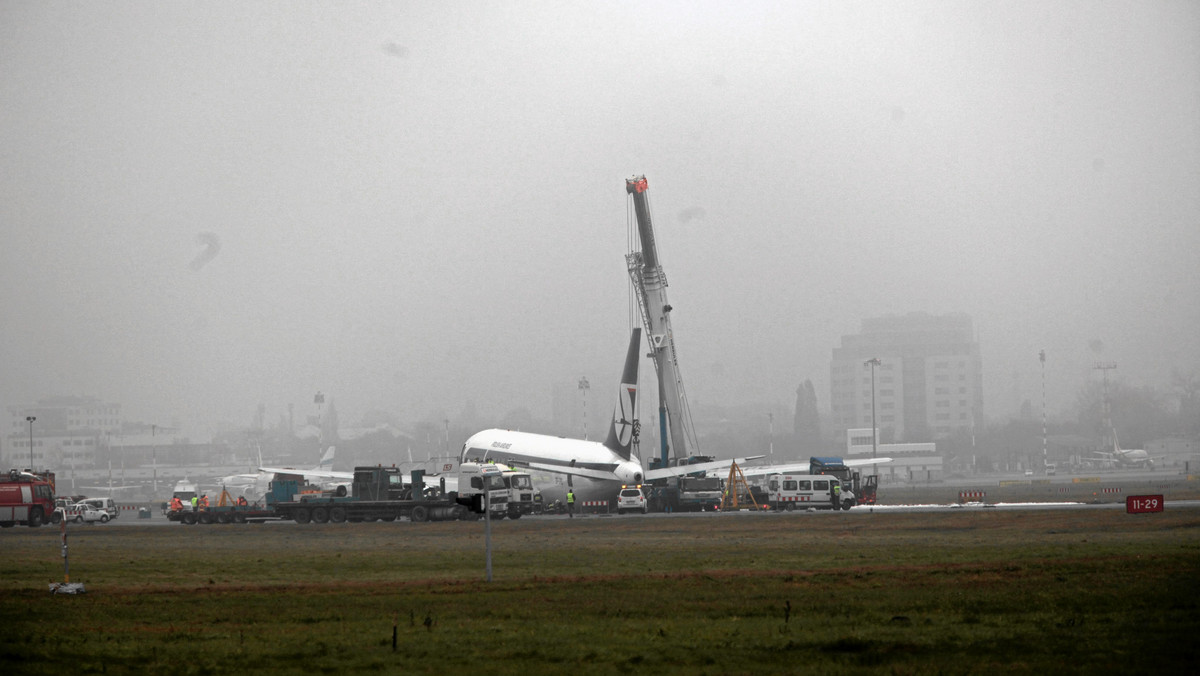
{"x": 1110, "y": 434}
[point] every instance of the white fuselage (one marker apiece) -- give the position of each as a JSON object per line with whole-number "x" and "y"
{"x": 610, "y": 471}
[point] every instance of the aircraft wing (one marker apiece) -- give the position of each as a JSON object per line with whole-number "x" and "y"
{"x": 310, "y": 473}
{"x": 573, "y": 471}
{"x": 803, "y": 467}
{"x": 680, "y": 470}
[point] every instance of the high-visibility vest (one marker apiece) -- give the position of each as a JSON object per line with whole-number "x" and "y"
{"x": 571, "y": 498}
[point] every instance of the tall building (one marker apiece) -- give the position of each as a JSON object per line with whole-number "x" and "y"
{"x": 928, "y": 382}
{"x": 66, "y": 430}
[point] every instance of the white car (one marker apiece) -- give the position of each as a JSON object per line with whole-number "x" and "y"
{"x": 631, "y": 499}
{"x": 85, "y": 513}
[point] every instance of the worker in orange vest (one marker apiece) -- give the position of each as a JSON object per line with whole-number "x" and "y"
{"x": 204, "y": 502}
{"x": 176, "y": 504}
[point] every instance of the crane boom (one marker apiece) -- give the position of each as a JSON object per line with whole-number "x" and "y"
{"x": 650, "y": 287}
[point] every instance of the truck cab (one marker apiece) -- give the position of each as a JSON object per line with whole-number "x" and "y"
{"x": 478, "y": 481}
{"x": 520, "y": 492}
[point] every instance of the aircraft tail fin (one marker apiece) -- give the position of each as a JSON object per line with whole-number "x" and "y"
{"x": 620, "y": 434}
{"x": 327, "y": 459}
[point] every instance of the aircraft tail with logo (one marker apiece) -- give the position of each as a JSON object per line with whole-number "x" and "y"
{"x": 620, "y": 433}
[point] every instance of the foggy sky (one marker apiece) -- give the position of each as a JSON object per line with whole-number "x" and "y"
{"x": 412, "y": 206}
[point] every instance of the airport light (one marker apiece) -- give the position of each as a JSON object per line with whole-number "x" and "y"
{"x": 873, "y": 362}
{"x": 30, "y": 419}
{"x": 584, "y": 386}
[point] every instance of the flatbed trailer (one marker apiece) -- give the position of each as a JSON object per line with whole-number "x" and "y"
{"x": 225, "y": 514}
{"x": 379, "y": 494}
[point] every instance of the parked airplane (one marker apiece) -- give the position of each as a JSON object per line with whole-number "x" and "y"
{"x": 256, "y": 485}
{"x": 595, "y": 470}
{"x": 1124, "y": 458}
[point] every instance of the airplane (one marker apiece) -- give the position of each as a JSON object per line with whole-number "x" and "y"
{"x": 594, "y": 470}
{"x": 803, "y": 467}
{"x": 1124, "y": 458}
{"x": 257, "y": 484}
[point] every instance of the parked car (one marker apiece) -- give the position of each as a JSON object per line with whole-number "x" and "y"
{"x": 106, "y": 505}
{"x": 85, "y": 513}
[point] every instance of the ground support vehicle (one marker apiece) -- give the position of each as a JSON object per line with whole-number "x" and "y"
{"x": 106, "y": 505}
{"x": 689, "y": 494}
{"x": 631, "y": 499}
{"x": 85, "y": 513}
{"x": 865, "y": 488}
{"x": 522, "y": 496}
{"x": 807, "y": 491}
{"x": 26, "y": 498}
{"x": 379, "y": 494}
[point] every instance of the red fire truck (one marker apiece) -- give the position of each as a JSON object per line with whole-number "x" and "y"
{"x": 26, "y": 498}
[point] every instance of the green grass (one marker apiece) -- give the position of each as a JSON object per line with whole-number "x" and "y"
{"x": 961, "y": 592}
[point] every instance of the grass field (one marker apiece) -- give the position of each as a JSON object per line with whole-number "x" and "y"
{"x": 965, "y": 591}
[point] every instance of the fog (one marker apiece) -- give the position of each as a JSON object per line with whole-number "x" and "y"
{"x": 420, "y": 206}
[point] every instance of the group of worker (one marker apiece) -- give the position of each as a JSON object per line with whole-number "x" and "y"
{"x": 199, "y": 503}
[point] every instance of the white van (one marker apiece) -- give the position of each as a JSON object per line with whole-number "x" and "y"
{"x": 106, "y": 505}
{"x": 807, "y": 491}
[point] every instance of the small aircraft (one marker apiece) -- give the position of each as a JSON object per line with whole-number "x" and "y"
{"x": 594, "y": 470}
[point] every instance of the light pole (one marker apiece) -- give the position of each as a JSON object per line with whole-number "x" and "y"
{"x": 1042, "y": 358}
{"x": 447, "y": 421}
{"x": 30, "y": 419}
{"x": 771, "y": 435}
{"x": 154, "y": 457}
{"x": 873, "y": 362}
{"x": 584, "y": 386}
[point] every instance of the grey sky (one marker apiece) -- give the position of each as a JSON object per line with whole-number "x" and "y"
{"x": 416, "y": 205}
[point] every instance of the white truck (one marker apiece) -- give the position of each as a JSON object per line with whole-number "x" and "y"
{"x": 520, "y": 492}
{"x": 807, "y": 491}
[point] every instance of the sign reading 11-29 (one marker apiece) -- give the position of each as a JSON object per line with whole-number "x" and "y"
{"x": 1138, "y": 504}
